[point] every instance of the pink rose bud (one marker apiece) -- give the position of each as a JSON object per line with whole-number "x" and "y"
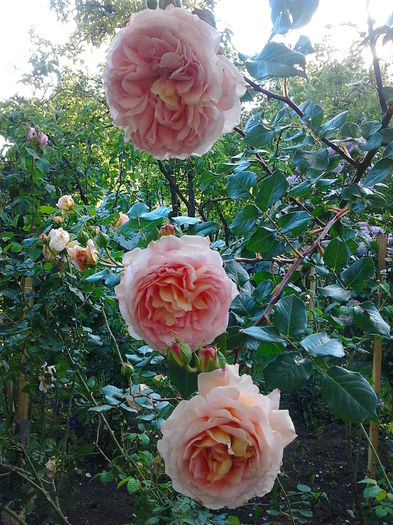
{"x": 167, "y": 229}
{"x": 123, "y": 218}
{"x": 43, "y": 237}
{"x": 179, "y": 354}
{"x": 42, "y": 139}
{"x": 65, "y": 203}
{"x": 210, "y": 359}
{"x": 31, "y": 134}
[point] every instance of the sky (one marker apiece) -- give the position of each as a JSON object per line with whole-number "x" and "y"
{"x": 248, "y": 19}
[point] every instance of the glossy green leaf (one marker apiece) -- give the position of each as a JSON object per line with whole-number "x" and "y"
{"x": 185, "y": 382}
{"x": 335, "y": 292}
{"x": 348, "y": 395}
{"x": 357, "y": 275}
{"x": 245, "y": 220}
{"x": 336, "y": 254}
{"x": 240, "y": 184}
{"x": 316, "y": 160}
{"x": 276, "y": 60}
{"x": 288, "y": 372}
{"x": 381, "y": 171}
{"x": 133, "y": 485}
{"x": 333, "y": 124}
{"x": 367, "y": 317}
{"x": 271, "y": 189}
{"x": 266, "y": 334}
{"x": 322, "y": 345}
{"x": 290, "y": 316}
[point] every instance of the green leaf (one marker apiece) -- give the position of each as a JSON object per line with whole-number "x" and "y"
{"x": 316, "y": 160}
{"x": 158, "y": 213}
{"x": 294, "y": 222}
{"x": 388, "y": 151}
{"x": 267, "y": 334}
{"x": 264, "y": 241}
{"x": 47, "y": 209}
{"x": 133, "y": 485}
{"x": 263, "y": 290}
{"x": 348, "y": 395}
{"x": 288, "y": 372}
{"x": 237, "y": 273}
{"x": 240, "y": 184}
{"x": 185, "y": 382}
{"x": 336, "y": 254}
{"x": 335, "y": 292}
{"x": 245, "y": 220}
{"x": 182, "y": 220}
{"x": 321, "y": 345}
{"x": 313, "y": 113}
{"x": 276, "y": 60}
{"x": 137, "y": 209}
{"x": 333, "y": 124}
{"x": 381, "y": 170}
{"x": 203, "y": 229}
{"x": 291, "y": 15}
{"x": 257, "y": 134}
{"x": 290, "y": 316}
{"x": 357, "y": 275}
{"x": 367, "y": 317}
{"x": 271, "y": 189}
{"x": 303, "y": 45}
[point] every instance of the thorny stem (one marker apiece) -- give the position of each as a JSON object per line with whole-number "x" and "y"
{"x": 296, "y": 263}
{"x": 286, "y": 100}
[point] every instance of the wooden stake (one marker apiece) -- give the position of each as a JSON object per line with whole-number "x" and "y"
{"x": 377, "y": 366}
{"x": 23, "y": 401}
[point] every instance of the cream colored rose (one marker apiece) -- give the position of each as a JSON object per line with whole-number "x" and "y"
{"x": 58, "y": 240}
{"x": 225, "y": 445}
{"x": 65, "y": 202}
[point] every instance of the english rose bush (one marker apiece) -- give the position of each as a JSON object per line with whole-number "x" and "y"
{"x": 225, "y": 445}
{"x": 175, "y": 288}
{"x": 168, "y": 86}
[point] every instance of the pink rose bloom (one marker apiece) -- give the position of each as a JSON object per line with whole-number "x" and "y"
{"x": 175, "y": 288}
{"x": 225, "y": 445}
{"x": 168, "y": 86}
{"x": 42, "y": 139}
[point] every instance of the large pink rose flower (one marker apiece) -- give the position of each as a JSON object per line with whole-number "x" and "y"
{"x": 168, "y": 86}
{"x": 175, "y": 288}
{"x": 225, "y": 445}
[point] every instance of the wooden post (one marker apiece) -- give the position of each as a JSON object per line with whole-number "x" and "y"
{"x": 23, "y": 400}
{"x": 377, "y": 366}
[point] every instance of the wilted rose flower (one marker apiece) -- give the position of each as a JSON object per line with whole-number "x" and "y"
{"x": 123, "y": 218}
{"x": 31, "y": 134}
{"x": 83, "y": 257}
{"x": 176, "y": 288}
{"x": 42, "y": 139}
{"x": 65, "y": 202}
{"x": 50, "y": 468}
{"x": 225, "y": 445}
{"x": 47, "y": 379}
{"x": 58, "y": 240}
{"x": 168, "y": 86}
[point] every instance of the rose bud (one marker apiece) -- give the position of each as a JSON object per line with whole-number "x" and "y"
{"x": 43, "y": 237}
{"x": 123, "y": 218}
{"x": 210, "y": 359}
{"x": 58, "y": 220}
{"x": 179, "y": 354}
{"x": 50, "y": 468}
{"x": 65, "y": 203}
{"x": 167, "y": 229}
{"x": 127, "y": 369}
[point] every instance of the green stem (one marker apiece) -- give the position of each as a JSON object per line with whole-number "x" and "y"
{"x": 14, "y": 515}
{"x": 286, "y": 500}
{"x": 377, "y": 458}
